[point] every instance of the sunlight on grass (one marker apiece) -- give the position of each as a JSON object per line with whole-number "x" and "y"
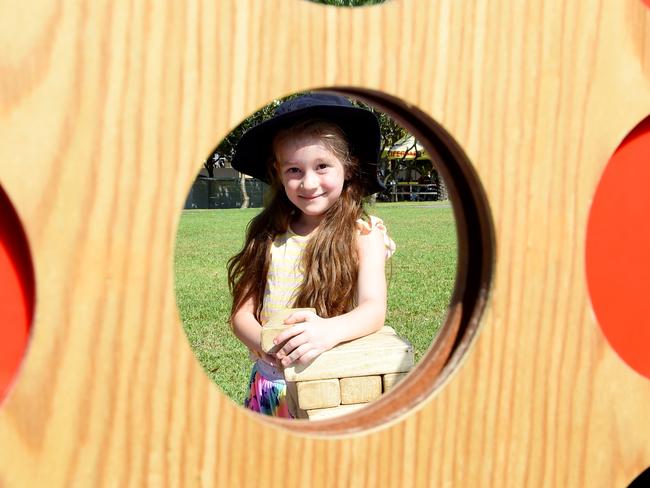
{"x": 421, "y": 279}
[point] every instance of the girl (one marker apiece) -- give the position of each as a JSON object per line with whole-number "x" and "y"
{"x": 313, "y": 245}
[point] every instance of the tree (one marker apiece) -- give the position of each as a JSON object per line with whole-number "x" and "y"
{"x": 391, "y": 132}
{"x": 226, "y": 148}
{"x": 216, "y": 160}
{"x": 225, "y": 151}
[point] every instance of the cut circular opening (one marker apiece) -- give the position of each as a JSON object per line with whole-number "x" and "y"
{"x": 16, "y": 294}
{"x": 617, "y": 259}
{"x": 473, "y": 271}
{"x": 476, "y": 255}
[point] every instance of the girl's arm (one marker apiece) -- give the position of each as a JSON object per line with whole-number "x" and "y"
{"x": 248, "y": 330}
{"x": 313, "y": 335}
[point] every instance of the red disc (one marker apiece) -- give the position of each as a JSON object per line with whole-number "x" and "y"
{"x": 618, "y": 250}
{"x": 16, "y": 293}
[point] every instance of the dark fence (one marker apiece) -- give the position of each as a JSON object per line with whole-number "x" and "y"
{"x": 414, "y": 191}
{"x": 224, "y": 193}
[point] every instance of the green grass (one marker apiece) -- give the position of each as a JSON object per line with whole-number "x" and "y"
{"x": 421, "y": 278}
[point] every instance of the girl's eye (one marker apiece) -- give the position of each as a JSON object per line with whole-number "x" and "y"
{"x": 323, "y": 166}
{"x": 293, "y": 170}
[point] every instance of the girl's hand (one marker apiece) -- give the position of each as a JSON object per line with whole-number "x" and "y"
{"x": 306, "y": 340}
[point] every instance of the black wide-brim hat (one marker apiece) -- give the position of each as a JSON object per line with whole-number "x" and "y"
{"x": 361, "y": 128}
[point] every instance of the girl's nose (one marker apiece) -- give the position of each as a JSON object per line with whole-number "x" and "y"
{"x": 310, "y": 180}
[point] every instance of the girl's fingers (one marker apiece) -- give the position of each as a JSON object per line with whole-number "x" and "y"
{"x": 308, "y": 357}
{"x": 291, "y": 345}
{"x": 301, "y": 316}
{"x": 296, "y": 354}
{"x": 289, "y": 333}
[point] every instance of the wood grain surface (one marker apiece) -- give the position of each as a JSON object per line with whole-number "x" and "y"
{"x": 107, "y": 110}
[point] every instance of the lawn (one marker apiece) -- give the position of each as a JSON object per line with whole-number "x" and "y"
{"x": 421, "y": 277}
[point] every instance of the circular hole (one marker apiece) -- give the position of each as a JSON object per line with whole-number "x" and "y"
{"x": 617, "y": 258}
{"x": 16, "y": 294}
{"x": 472, "y": 240}
{"x": 476, "y": 251}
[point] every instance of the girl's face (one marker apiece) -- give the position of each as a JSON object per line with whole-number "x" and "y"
{"x": 312, "y": 175}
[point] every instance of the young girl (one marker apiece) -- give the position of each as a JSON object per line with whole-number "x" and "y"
{"x": 313, "y": 245}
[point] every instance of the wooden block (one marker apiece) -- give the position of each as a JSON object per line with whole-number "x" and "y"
{"x": 280, "y": 316}
{"x": 275, "y": 326}
{"x": 360, "y": 389}
{"x": 376, "y": 354}
{"x": 292, "y": 401}
{"x": 327, "y": 413}
{"x": 318, "y": 394}
{"x": 386, "y": 329}
{"x": 391, "y": 379}
{"x": 269, "y": 333}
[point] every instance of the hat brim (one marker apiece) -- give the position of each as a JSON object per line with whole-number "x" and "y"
{"x": 254, "y": 150}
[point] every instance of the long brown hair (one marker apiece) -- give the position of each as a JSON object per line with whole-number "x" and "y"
{"x": 330, "y": 261}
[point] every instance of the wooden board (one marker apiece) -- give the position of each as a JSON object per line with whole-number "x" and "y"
{"x": 377, "y": 353}
{"x": 275, "y": 326}
{"x": 333, "y": 412}
{"x": 318, "y": 394}
{"x": 390, "y": 380}
{"x": 108, "y": 109}
{"x": 360, "y": 389}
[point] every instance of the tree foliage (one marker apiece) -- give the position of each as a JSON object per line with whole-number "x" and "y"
{"x": 391, "y": 132}
{"x": 224, "y": 152}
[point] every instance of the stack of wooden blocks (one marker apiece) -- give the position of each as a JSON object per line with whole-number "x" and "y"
{"x": 346, "y": 377}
